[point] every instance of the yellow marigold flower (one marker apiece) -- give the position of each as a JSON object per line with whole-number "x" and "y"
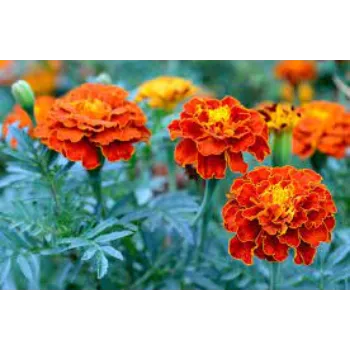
{"x": 279, "y": 116}
{"x": 287, "y": 92}
{"x": 305, "y": 92}
{"x": 165, "y": 92}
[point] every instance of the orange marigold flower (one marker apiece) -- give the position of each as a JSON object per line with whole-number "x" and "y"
{"x": 7, "y": 74}
{"x": 296, "y": 71}
{"x": 20, "y": 117}
{"x": 165, "y": 92}
{"x": 274, "y": 209}
{"x": 279, "y": 116}
{"x": 214, "y": 134}
{"x": 325, "y": 127}
{"x": 93, "y": 118}
{"x": 43, "y": 77}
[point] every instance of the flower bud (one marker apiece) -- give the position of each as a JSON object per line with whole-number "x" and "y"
{"x": 104, "y": 78}
{"x": 23, "y": 95}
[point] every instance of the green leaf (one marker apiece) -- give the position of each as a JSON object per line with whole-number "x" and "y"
{"x": 137, "y": 215}
{"x": 112, "y": 252}
{"x": 204, "y": 282}
{"x": 89, "y": 253}
{"x": 104, "y": 225}
{"x": 181, "y": 227}
{"x": 102, "y": 265}
{"x": 4, "y": 270}
{"x": 232, "y": 275}
{"x": 112, "y": 236}
{"x": 25, "y": 267}
{"x": 74, "y": 242}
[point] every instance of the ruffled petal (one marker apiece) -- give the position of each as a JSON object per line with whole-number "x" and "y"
{"x": 186, "y": 152}
{"x": 211, "y": 166}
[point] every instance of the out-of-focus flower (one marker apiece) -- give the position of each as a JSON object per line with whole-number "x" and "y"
{"x": 94, "y": 119}
{"x": 279, "y": 116}
{"x": 287, "y": 92}
{"x": 305, "y": 93}
{"x": 21, "y": 118}
{"x": 296, "y": 71}
{"x": 165, "y": 92}
{"x": 6, "y": 72}
{"x": 214, "y": 133}
{"x": 325, "y": 126}
{"x": 43, "y": 76}
{"x": 274, "y": 209}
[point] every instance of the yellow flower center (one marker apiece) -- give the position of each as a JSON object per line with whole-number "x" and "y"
{"x": 221, "y": 114}
{"x": 281, "y": 195}
{"x": 284, "y": 117}
{"x": 92, "y": 108}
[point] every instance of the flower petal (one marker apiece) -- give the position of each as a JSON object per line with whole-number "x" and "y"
{"x": 211, "y": 146}
{"x": 73, "y": 135}
{"x": 315, "y": 235}
{"x": 304, "y": 254}
{"x": 272, "y": 246}
{"x": 211, "y": 166}
{"x": 260, "y": 148}
{"x": 241, "y": 250}
{"x": 186, "y": 152}
{"x": 118, "y": 151}
{"x": 291, "y": 238}
{"x": 236, "y": 163}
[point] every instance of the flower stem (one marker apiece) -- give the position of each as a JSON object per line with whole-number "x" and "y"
{"x": 274, "y": 275}
{"x": 171, "y": 168}
{"x": 282, "y": 146}
{"x": 208, "y": 192}
{"x": 95, "y": 181}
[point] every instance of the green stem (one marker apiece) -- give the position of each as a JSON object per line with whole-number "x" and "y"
{"x": 282, "y": 146}
{"x": 95, "y": 181}
{"x": 30, "y": 112}
{"x": 208, "y": 192}
{"x": 318, "y": 161}
{"x": 171, "y": 168}
{"x": 132, "y": 167}
{"x": 274, "y": 276}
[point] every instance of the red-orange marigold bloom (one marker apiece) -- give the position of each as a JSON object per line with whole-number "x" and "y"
{"x": 325, "y": 127}
{"x": 274, "y": 209}
{"x": 214, "y": 133}
{"x": 90, "y": 118}
{"x": 20, "y": 117}
{"x": 296, "y": 71}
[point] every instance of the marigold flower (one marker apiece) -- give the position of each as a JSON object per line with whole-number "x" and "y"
{"x": 274, "y": 209}
{"x": 93, "y": 118}
{"x": 214, "y": 133}
{"x": 165, "y": 92}
{"x": 6, "y": 72}
{"x": 279, "y": 116}
{"x": 20, "y": 117}
{"x": 296, "y": 71}
{"x": 325, "y": 127}
{"x": 43, "y": 77}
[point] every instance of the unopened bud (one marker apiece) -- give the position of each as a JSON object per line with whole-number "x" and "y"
{"x": 23, "y": 94}
{"x": 104, "y": 78}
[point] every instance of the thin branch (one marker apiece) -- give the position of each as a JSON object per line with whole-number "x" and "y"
{"x": 341, "y": 86}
